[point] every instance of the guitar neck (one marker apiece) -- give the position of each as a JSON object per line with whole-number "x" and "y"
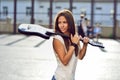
{"x": 90, "y": 42}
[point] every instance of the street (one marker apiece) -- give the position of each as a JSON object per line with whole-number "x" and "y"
{"x": 32, "y": 58}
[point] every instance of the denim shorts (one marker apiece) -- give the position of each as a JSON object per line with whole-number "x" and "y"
{"x": 53, "y": 78}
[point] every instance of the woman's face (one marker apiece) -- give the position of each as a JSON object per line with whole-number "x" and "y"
{"x": 63, "y": 24}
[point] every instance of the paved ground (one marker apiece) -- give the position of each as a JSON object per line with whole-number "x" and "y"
{"x": 31, "y": 58}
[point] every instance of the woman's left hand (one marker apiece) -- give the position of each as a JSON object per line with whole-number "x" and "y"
{"x": 85, "y": 40}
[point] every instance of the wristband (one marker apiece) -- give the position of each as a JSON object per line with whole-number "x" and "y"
{"x": 73, "y": 44}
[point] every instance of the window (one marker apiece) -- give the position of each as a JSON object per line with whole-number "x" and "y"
{"x": 41, "y": 6}
{"x": 74, "y": 7}
{"x": 5, "y": 10}
{"x": 28, "y": 11}
{"x": 98, "y": 8}
{"x": 58, "y": 7}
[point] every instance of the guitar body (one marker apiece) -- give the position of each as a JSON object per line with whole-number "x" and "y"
{"x": 34, "y": 29}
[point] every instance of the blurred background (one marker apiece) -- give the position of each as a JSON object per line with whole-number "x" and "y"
{"x": 104, "y": 12}
{"x": 32, "y": 58}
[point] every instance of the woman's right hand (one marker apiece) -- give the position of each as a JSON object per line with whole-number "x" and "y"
{"x": 75, "y": 39}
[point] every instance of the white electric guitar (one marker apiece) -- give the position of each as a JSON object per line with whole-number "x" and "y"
{"x": 38, "y": 30}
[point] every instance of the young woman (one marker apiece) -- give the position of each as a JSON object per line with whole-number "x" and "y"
{"x": 67, "y": 50}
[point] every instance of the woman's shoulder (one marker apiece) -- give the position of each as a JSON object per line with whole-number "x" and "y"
{"x": 58, "y": 37}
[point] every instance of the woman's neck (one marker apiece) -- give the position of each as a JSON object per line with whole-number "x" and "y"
{"x": 67, "y": 33}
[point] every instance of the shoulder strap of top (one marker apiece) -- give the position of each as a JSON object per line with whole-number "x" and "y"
{"x": 59, "y": 38}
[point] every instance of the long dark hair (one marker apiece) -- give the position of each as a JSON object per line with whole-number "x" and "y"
{"x": 68, "y": 15}
{"x": 71, "y": 26}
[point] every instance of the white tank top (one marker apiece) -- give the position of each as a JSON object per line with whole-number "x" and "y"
{"x": 65, "y": 72}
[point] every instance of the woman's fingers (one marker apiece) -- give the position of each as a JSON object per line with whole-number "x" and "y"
{"x": 85, "y": 39}
{"x": 75, "y": 38}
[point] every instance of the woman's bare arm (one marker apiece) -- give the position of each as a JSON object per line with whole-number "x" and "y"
{"x": 83, "y": 50}
{"x": 62, "y": 54}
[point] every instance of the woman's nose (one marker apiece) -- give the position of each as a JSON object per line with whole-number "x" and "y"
{"x": 62, "y": 24}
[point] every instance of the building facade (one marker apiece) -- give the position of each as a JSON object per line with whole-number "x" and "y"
{"x": 103, "y": 10}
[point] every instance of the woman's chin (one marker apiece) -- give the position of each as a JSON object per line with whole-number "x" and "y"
{"x": 63, "y": 31}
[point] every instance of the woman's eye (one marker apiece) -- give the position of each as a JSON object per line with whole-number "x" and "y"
{"x": 64, "y": 22}
{"x": 59, "y": 22}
